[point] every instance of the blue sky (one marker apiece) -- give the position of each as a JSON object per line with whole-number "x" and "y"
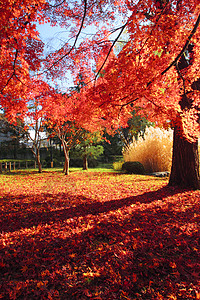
{"x": 54, "y": 38}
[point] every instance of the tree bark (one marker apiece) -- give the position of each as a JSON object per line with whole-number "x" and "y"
{"x": 66, "y": 165}
{"x": 38, "y": 161}
{"x": 185, "y": 162}
{"x": 36, "y": 153}
{"x": 85, "y": 162}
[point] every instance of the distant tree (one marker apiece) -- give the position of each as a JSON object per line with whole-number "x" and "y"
{"x": 136, "y": 128}
{"x": 89, "y": 146}
{"x": 12, "y": 134}
{"x": 32, "y": 122}
{"x": 112, "y": 145}
{"x": 62, "y": 116}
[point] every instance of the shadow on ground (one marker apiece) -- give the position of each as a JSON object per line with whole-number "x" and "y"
{"x": 141, "y": 247}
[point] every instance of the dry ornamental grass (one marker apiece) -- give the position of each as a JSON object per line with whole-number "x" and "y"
{"x": 154, "y": 151}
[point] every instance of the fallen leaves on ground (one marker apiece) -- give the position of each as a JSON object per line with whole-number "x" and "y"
{"x": 95, "y": 235}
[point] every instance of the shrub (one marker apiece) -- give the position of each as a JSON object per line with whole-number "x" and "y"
{"x": 117, "y": 166}
{"x": 154, "y": 151}
{"x": 133, "y": 167}
{"x": 78, "y": 162}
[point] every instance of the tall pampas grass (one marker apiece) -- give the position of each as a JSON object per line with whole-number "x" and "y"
{"x": 154, "y": 151}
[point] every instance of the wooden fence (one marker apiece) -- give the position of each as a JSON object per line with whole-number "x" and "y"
{"x": 12, "y": 165}
{"x": 9, "y": 166}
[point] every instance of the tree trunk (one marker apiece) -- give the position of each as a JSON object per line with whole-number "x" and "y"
{"x": 66, "y": 165}
{"x": 85, "y": 162}
{"x": 185, "y": 162}
{"x": 38, "y": 161}
{"x": 36, "y": 153}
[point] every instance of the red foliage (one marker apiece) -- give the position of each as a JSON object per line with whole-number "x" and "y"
{"x": 157, "y": 69}
{"x": 98, "y": 236}
{"x": 19, "y": 53}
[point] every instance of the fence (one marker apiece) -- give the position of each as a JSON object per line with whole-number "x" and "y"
{"x": 8, "y": 166}
{"x": 13, "y": 165}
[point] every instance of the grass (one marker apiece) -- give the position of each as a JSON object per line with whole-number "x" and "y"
{"x": 101, "y": 167}
{"x": 154, "y": 151}
{"x": 97, "y": 235}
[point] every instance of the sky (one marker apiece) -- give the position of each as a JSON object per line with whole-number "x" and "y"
{"x": 54, "y": 38}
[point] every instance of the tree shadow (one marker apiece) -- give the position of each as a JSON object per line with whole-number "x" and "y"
{"x": 41, "y": 209}
{"x": 144, "y": 251}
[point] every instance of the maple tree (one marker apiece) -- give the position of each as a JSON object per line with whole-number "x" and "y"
{"x": 156, "y": 69}
{"x": 20, "y": 52}
{"x": 61, "y": 122}
{"x": 22, "y": 60}
{"x": 32, "y": 123}
{"x": 32, "y": 133}
{"x": 67, "y": 117}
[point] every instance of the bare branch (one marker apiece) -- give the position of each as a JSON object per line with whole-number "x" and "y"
{"x": 113, "y": 44}
{"x": 56, "y": 5}
{"x": 185, "y": 46}
{"x": 13, "y": 74}
{"x": 77, "y": 36}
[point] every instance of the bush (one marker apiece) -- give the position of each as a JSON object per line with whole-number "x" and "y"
{"x": 133, "y": 167}
{"x": 154, "y": 151}
{"x": 78, "y": 162}
{"x": 117, "y": 166}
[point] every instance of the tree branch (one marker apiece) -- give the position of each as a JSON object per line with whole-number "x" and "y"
{"x": 181, "y": 76}
{"x": 13, "y": 74}
{"x": 122, "y": 28}
{"x": 56, "y": 5}
{"x": 185, "y": 46}
{"x": 158, "y": 18}
{"x": 77, "y": 36}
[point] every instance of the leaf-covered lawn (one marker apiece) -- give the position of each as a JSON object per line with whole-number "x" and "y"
{"x": 97, "y": 236}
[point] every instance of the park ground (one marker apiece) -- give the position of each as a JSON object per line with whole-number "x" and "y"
{"x": 97, "y": 235}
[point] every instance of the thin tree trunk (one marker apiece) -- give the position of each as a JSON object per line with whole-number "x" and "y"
{"x": 37, "y": 158}
{"x": 66, "y": 165}
{"x": 85, "y": 162}
{"x": 38, "y": 161}
{"x": 185, "y": 162}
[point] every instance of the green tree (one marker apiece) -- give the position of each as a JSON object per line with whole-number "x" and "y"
{"x": 12, "y": 134}
{"x": 136, "y": 128}
{"x": 89, "y": 146}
